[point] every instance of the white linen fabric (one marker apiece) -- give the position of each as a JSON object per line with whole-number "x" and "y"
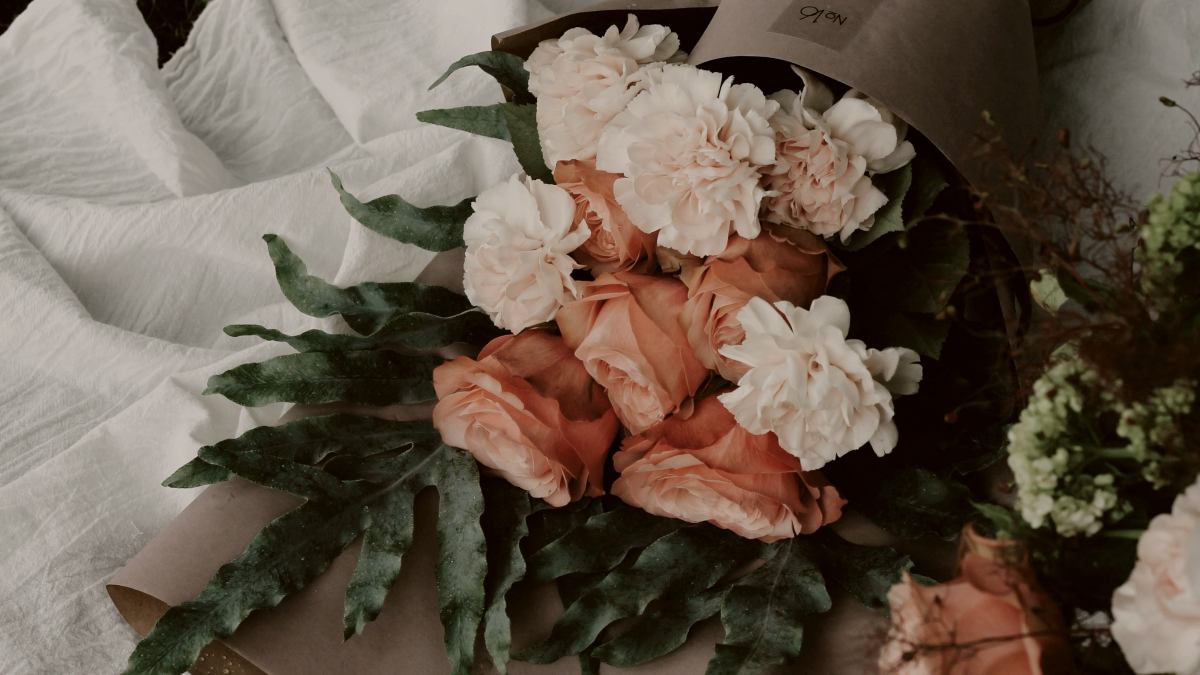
{"x": 133, "y": 199}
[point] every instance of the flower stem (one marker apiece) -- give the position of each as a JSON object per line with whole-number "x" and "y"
{"x": 1122, "y": 534}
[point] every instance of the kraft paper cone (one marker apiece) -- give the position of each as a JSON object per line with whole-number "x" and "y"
{"x": 939, "y": 64}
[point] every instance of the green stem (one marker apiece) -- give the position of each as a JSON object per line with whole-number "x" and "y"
{"x": 1112, "y": 453}
{"x": 1122, "y": 534}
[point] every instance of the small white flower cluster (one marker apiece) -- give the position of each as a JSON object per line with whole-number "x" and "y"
{"x": 1172, "y": 227}
{"x": 1055, "y": 448}
{"x": 1046, "y": 457}
{"x": 1149, "y": 425}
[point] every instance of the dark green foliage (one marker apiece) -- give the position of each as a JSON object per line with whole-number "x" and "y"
{"x": 367, "y": 308}
{"x": 513, "y": 122}
{"x": 371, "y": 378}
{"x": 434, "y": 228}
{"x": 763, "y": 613}
{"x": 412, "y": 331}
{"x": 406, "y": 457}
{"x": 507, "y": 69}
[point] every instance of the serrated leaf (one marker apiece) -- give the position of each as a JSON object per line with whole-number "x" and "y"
{"x": 688, "y": 561}
{"x": 302, "y": 480}
{"x": 923, "y": 333}
{"x": 433, "y": 228}
{"x": 890, "y": 217}
{"x": 388, "y": 536}
{"x": 865, "y": 572}
{"x": 507, "y": 69}
{"x": 599, "y": 544}
{"x": 548, "y": 524}
{"x": 932, "y": 261}
{"x": 928, "y": 182}
{"x": 290, "y": 552}
{"x": 309, "y": 440}
{"x": 283, "y": 558}
{"x": 506, "y": 509}
{"x": 371, "y": 378}
{"x": 661, "y": 630}
{"x": 462, "y": 557}
{"x": 763, "y": 613}
{"x": 916, "y": 503}
{"x": 411, "y": 331}
{"x": 1003, "y": 519}
{"x": 197, "y": 473}
{"x": 365, "y": 307}
{"x": 513, "y": 122}
{"x": 389, "y": 532}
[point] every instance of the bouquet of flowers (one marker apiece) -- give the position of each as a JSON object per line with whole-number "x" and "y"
{"x": 681, "y": 320}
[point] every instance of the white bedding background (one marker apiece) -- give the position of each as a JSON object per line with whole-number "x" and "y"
{"x": 133, "y": 199}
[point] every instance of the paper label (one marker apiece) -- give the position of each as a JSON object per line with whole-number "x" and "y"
{"x": 830, "y": 24}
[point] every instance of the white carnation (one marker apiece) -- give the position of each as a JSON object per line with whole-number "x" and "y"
{"x": 692, "y": 147}
{"x": 582, "y": 81}
{"x": 1156, "y": 613}
{"x": 826, "y": 153}
{"x": 821, "y": 394}
{"x": 518, "y": 264}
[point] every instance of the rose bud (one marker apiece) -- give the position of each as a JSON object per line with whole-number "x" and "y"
{"x": 528, "y": 410}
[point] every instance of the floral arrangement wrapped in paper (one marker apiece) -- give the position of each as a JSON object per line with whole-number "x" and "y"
{"x": 705, "y": 321}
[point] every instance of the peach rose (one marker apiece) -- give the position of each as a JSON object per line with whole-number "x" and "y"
{"x": 700, "y": 466}
{"x": 528, "y": 410}
{"x": 625, "y": 328}
{"x": 781, "y": 264}
{"x": 991, "y": 619}
{"x": 615, "y": 243}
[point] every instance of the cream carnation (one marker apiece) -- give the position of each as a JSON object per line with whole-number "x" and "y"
{"x": 826, "y": 153}
{"x": 582, "y": 81}
{"x": 1156, "y": 614}
{"x": 821, "y": 394}
{"x": 518, "y": 264}
{"x": 692, "y": 147}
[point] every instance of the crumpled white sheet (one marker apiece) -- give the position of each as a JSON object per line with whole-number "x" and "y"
{"x": 133, "y": 199}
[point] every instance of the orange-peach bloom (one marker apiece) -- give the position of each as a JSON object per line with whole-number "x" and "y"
{"x": 625, "y": 328}
{"x": 700, "y": 466}
{"x": 780, "y": 264}
{"x": 992, "y": 619}
{"x": 528, "y": 410}
{"x": 615, "y": 243}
